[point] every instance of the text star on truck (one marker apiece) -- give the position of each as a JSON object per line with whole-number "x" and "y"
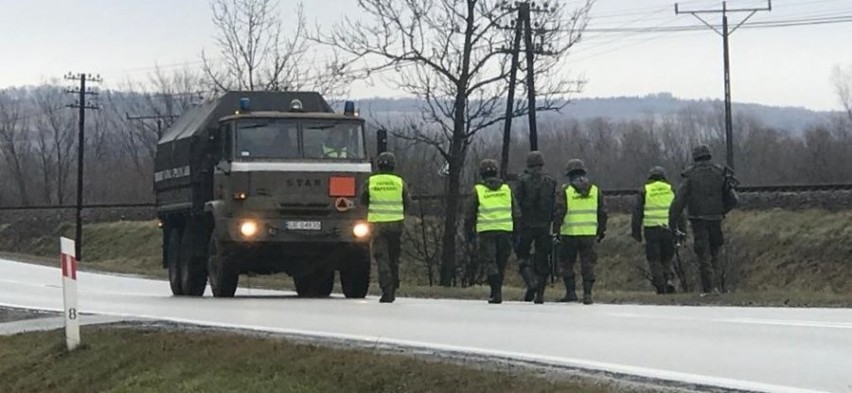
{"x": 264, "y": 182}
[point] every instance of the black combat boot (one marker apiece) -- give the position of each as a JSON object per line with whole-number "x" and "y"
{"x": 539, "y": 292}
{"x": 388, "y": 296}
{"x": 587, "y": 292}
{"x": 496, "y": 292}
{"x": 570, "y": 291}
{"x": 529, "y": 280}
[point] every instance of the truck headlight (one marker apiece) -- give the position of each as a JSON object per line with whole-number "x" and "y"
{"x": 248, "y": 228}
{"x": 361, "y": 230}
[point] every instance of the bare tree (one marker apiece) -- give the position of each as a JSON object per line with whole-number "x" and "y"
{"x": 55, "y": 141}
{"x": 14, "y": 142}
{"x": 842, "y": 80}
{"x": 448, "y": 54}
{"x": 255, "y": 53}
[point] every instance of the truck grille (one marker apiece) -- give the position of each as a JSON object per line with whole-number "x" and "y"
{"x": 304, "y": 209}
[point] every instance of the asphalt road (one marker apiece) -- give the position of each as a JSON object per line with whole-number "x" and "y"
{"x": 756, "y": 349}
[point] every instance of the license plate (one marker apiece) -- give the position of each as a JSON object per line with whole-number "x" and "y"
{"x": 304, "y": 225}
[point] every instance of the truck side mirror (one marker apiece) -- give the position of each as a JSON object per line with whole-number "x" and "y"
{"x": 381, "y": 140}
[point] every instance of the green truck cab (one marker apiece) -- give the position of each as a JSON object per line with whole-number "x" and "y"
{"x": 263, "y": 183}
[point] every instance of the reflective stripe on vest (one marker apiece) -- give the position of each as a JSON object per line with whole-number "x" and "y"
{"x": 581, "y": 218}
{"x": 332, "y": 152}
{"x": 385, "y": 198}
{"x": 495, "y": 209}
{"x": 658, "y": 199}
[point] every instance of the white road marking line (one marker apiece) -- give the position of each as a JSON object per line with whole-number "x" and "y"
{"x": 654, "y": 374}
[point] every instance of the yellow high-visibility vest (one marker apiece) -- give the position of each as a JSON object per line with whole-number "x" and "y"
{"x": 333, "y": 152}
{"x": 495, "y": 209}
{"x": 386, "y": 203}
{"x": 581, "y": 218}
{"x": 658, "y": 199}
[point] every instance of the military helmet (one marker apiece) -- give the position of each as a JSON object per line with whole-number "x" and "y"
{"x": 575, "y": 165}
{"x": 488, "y": 166}
{"x": 701, "y": 152}
{"x": 657, "y": 171}
{"x": 386, "y": 159}
{"x": 535, "y": 158}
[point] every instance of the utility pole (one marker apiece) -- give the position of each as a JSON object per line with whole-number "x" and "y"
{"x": 522, "y": 25}
{"x": 510, "y": 99}
{"x": 725, "y": 33}
{"x": 82, "y": 92}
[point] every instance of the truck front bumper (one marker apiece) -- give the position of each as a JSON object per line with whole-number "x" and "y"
{"x": 292, "y": 230}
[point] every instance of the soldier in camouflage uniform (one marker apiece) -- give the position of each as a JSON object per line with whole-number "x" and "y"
{"x": 707, "y": 193}
{"x": 386, "y": 197}
{"x": 580, "y": 218}
{"x": 535, "y": 193}
{"x": 651, "y": 214}
{"x": 490, "y": 219}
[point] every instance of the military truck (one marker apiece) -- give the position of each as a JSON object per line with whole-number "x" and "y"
{"x": 262, "y": 183}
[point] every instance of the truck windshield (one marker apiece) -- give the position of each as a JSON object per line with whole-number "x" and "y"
{"x": 281, "y": 139}
{"x": 267, "y": 139}
{"x": 333, "y": 140}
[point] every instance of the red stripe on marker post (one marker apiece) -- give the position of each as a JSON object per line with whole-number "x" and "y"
{"x": 69, "y": 266}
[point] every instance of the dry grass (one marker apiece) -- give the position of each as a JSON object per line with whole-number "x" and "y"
{"x": 125, "y": 360}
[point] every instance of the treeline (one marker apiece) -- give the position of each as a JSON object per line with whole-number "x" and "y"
{"x": 38, "y": 147}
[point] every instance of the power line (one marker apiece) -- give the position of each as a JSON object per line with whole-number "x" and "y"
{"x": 725, "y": 32}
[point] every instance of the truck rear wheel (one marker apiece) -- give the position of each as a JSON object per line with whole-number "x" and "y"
{"x": 355, "y": 274}
{"x": 223, "y": 274}
{"x": 316, "y": 284}
{"x": 173, "y": 261}
{"x": 193, "y": 270}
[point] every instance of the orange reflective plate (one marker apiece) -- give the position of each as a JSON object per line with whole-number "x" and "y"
{"x": 341, "y": 186}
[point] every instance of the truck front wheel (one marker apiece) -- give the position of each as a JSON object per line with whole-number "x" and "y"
{"x": 223, "y": 274}
{"x": 355, "y": 273}
{"x": 173, "y": 261}
{"x": 193, "y": 269}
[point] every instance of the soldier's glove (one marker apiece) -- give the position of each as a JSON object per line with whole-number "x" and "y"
{"x": 601, "y": 236}
{"x": 637, "y": 236}
{"x": 679, "y": 236}
{"x": 471, "y": 237}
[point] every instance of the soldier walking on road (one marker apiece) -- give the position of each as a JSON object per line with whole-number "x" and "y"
{"x": 651, "y": 213}
{"x": 580, "y": 216}
{"x": 490, "y": 219}
{"x": 536, "y": 193}
{"x": 386, "y": 198}
{"x": 707, "y": 193}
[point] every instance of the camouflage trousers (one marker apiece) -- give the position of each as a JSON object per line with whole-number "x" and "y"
{"x": 493, "y": 251}
{"x": 659, "y": 250}
{"x": 386, "y": 250}
{"x": 708, "y": 244}
{"x": 534, "y": 248}
{"x": 584, "y": 247}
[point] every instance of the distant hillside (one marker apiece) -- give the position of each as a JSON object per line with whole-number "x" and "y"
{"x": 629, "y": 108}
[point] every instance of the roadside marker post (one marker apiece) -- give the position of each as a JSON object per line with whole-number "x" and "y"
{"x": 69, "y": 293}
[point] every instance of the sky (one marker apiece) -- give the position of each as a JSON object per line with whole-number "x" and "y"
{"x": 124, "y": 40}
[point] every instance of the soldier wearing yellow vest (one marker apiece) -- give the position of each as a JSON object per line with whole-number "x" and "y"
{"x": 651, "y": 215}
{"x": 335, "y": 146}
{"x": 580, "y": 219}
{"x": 490, "y": 219}
{"x": 386, "y": 197}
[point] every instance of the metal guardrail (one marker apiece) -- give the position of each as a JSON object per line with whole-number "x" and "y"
{"x": 828, "y": 187}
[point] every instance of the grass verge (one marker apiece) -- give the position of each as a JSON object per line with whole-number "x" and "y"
{"x": 129, "y": 360}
